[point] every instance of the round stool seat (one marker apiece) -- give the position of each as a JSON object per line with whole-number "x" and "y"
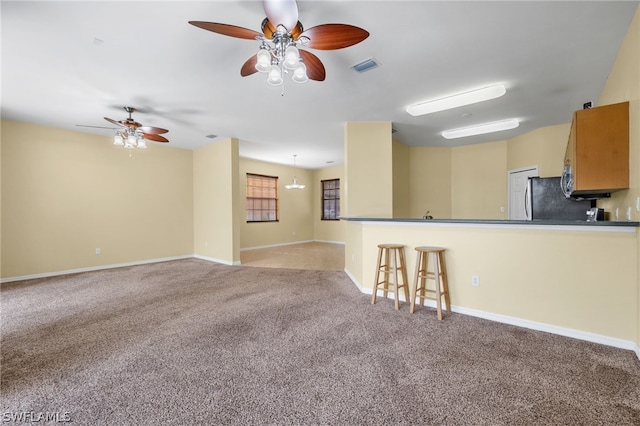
{"x": 390, "y": 246}
{"x": 430, "y": 248}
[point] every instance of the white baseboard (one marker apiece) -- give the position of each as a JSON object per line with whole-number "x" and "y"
{"x": 562, "y": 331}
{"x": 92, "y": 268}
{"x": 533, "y": 325}
{"x": 352, "y": 278}
{"x": 342, "y": 243}
{"x": 214, "y": 260}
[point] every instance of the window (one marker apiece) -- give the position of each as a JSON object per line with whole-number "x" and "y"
{"x": 262, "y": 198}
{"x": 331, "y": 199}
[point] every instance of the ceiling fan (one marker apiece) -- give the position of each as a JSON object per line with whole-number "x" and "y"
{"x": 131, "y": 128}
{"x": 130, "y": 133}
{"x": 281, "y": 33}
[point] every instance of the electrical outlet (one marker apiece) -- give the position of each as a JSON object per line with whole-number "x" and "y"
{"x": 475, "y": 280}
{"x": 98, "y": 251}
{"x": 638, "y": 204}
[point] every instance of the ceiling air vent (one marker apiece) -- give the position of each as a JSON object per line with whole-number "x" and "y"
{"x": 366, "y": 65}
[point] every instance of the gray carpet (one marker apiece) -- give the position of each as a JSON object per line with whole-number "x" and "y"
{"x": 191, "y": 342}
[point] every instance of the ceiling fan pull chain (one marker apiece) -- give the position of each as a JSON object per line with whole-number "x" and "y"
{"x": 283, "y": 84}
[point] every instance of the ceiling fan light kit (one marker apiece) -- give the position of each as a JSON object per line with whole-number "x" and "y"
{"x": 300, "y": 74}
{"x": 281, "y": 35}
{"x": 480, "y": 129}
{"x": 278, "y": 56}
{"x": 132, "y": 134}
{"x": 130, "y": 139}
{"x": 457, "y": 100}
{"x": 263, "y": 60}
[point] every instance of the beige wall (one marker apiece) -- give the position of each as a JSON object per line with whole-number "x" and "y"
{"x": 401, "y": 188}
{"x": 296, "y": 207}
{"x": 326, "y": 230}
{"x": 479, "y": 181}
{"x": 470, "y": 182}
{"x": 544, "y": 147}
{"x": 66, "y": 193}
{"x": 216, "y": 201}
{"x": 430, "y": 182}
{"x": 368, "y": 186}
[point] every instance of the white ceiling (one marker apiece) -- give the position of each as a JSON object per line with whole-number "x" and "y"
{"x": 66, "y": 64}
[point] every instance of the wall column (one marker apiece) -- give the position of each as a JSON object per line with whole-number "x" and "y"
{"x": 216, "y": 200}
{"x": 367, "y": 188}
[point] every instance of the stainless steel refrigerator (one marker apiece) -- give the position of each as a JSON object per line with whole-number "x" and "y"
{"x": 544, "y": 200}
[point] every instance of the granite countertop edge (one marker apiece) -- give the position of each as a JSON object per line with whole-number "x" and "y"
{"x": 505, "y": 222}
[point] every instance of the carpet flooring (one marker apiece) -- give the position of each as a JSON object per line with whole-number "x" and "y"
{"x": 196, "y": 343}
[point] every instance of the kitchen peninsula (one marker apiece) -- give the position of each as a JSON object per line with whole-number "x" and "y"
{"x": 574, "y": 278}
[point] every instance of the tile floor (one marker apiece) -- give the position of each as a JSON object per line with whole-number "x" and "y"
{"x": 314, "y": 256}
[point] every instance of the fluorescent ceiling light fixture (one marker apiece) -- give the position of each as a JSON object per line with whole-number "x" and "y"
{"x": 481, "y": 129}
{"x": 455, "y": 101}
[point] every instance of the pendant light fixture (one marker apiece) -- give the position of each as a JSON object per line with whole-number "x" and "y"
{"x": 294, "y": 184}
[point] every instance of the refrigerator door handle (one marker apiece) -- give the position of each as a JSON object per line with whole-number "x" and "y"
{"x": 527, "y": 207}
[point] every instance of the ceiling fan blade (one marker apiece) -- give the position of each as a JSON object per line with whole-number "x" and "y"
{"x": 117, "y": 123}
{"x": 95, "y": 127}
{"x": 153, "y": 130}
{"x": 334, "y": 36}
{"x": 249, "y": 67}
{"x": 315, "y": 69}
{"x": 282, "y": 12}
{"x": 155, "y": 138}
{"x": 228, "y": 30}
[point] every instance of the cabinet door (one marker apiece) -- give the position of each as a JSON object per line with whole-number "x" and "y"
{"x": 601, "y": 153}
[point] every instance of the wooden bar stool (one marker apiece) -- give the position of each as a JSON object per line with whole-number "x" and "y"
{"x": 392, "y": 264}
{"x": 438, "y": 275}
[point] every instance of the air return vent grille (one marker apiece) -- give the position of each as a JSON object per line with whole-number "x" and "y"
{"x": 366, "y": 65}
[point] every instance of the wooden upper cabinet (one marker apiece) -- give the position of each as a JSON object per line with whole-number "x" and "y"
{"x": 598, "y": 149}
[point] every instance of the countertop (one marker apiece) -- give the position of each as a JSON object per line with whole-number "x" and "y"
{"x": 500, "y": 222}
